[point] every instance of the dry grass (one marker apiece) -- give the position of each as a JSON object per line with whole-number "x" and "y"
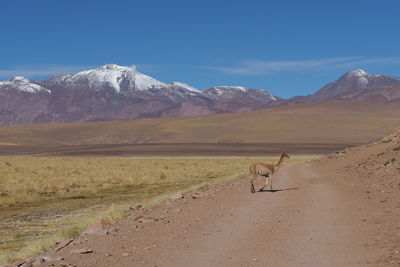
{"x": 32, "y": 180}
{"x": 25, "y": 180}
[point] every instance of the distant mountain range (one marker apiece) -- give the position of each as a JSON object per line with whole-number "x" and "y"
{"x": 114, "y": 92}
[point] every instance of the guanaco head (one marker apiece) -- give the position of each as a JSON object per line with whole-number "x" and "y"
{"x": 284, "y": 155}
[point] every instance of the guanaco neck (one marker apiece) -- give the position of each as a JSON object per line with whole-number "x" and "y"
{"x": 279, "y": 162}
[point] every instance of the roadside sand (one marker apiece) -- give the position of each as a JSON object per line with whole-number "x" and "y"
{"x": 340, "y": 210}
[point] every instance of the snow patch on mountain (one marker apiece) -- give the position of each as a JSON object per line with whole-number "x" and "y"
{"x": 21, "y": 83}
{"x": 363, "y": 78}
{"x": 231, "y": 88}
{"x": 231, "y": 91}
{"x": 358, "y": 73}
{"x": 272, "y": 96}
{"x": 184, "y": 86}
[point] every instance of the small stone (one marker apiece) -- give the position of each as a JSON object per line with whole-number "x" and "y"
{"x": 146, "y": 220}
{"x": 125, "y": 254}
{"x": 18, "y": 263}
{"x": 177, "y": 196}
{"x": 82, "y": 251}
{"x": 95, "y": 229}
{"x": 29, "y": 261}
{"x": 38, "y": 262}
{"x": 60, "y": 245}
{"x": 197, "y": 195}
{"x": 45, "y": 258}
{"x": 114, "y": 228}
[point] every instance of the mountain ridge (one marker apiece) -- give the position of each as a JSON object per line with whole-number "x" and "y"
{"x": 349, "y": 82}
{"x": 113, "y": 92}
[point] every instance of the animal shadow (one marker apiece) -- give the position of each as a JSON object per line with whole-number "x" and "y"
{"x": 277, "y": 190}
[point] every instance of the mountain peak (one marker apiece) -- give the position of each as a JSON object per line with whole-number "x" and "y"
{"x": 352, "y": 81}
{"x": 113, "y": 67}
{"x": 357, "y": 73}
{"x": 118, "y": 78}
{"x": 23, "y": 84}
{"x": 19, "y": 79}
{"x": 110, "y": 66}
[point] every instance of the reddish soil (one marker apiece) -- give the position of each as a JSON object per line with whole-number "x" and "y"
{"x": 340, "y": 210}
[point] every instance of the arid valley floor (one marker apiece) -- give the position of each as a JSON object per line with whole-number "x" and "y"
{"x": 334, "y": 203}
{"x": 339, "y": 210}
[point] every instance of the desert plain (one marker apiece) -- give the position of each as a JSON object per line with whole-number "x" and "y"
{"x": 334, "y": 202}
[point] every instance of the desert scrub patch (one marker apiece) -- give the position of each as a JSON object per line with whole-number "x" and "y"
{"x": 380, "y": 154}
{"x": 396, "y": 148}
{"x": 386, "y": 163}
{"x": 393, "y": 160}
{"x": 71, "y": 232}
{"x": 386, "y": 141}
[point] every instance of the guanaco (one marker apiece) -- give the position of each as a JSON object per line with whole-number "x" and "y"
{"x": 266, "y": 170}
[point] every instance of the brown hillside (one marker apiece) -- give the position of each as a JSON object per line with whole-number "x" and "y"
{"x": 323, "y": 122}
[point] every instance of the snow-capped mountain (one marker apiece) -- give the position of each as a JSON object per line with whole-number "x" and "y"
{"x": 227, "y": 92}
{"x": 352, "y": 81}
{"x": 23, "y": 101}
{"x": 110, "y": 76}
{"x": 240, "y": 99}
{"x": 21, "y": 84}
{"x": 113, "y": 92}
{"x": 121, "y": 80}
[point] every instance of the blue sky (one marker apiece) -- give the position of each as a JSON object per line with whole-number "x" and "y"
{"x": 286, "y": 47}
